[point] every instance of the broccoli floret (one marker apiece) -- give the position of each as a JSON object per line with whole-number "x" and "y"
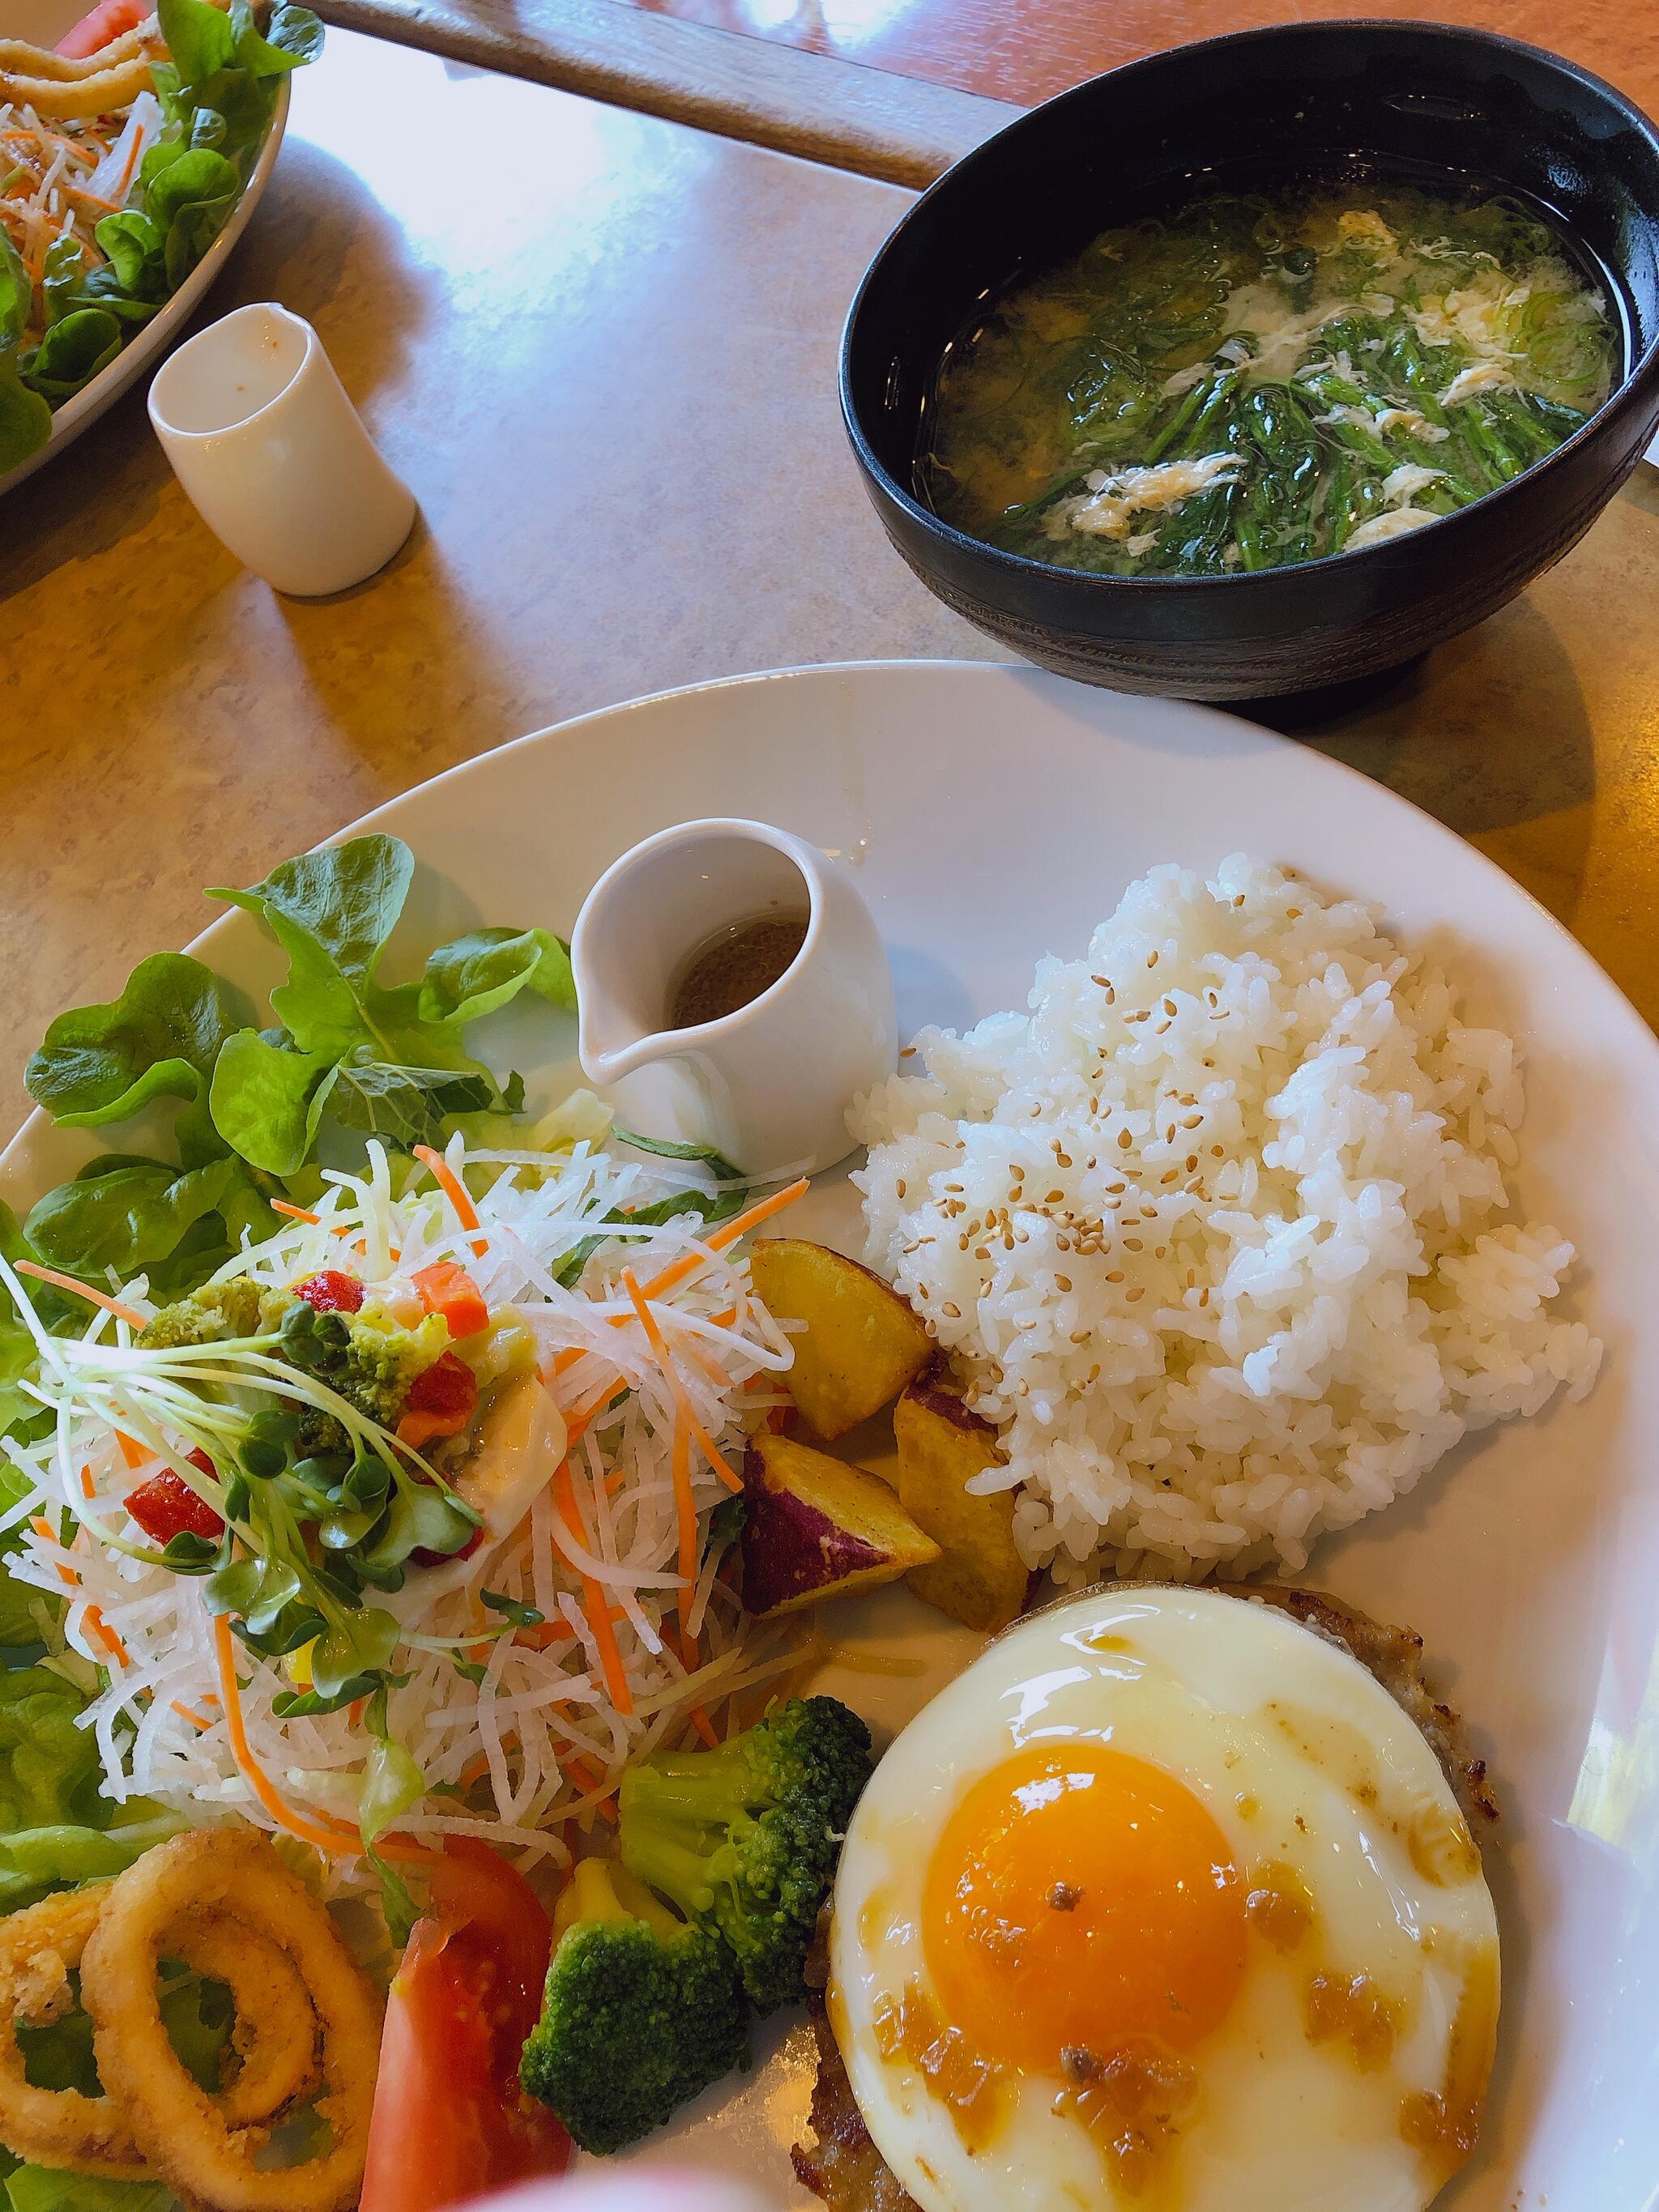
{"x": 214, "y": 1313}
{"x": 641, "y": 2012}
{"x": 367, "y": 1357}
{"x": 743, "y": 1840}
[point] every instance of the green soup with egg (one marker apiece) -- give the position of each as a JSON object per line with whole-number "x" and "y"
{"x": 1258, "y": 382}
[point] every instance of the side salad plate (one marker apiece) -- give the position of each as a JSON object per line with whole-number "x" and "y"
{"x": 992, "y": 818}
{"x": 142, "y": 284}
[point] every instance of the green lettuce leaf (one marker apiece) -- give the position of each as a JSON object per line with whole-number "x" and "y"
{"x": 16, "y": 293}
{"x": 476, "y": 974}
{"x": 35, "y": 1861}
{"x": 72, "y": 353}
{"x": 49, "y": 1767}
{"x": 405, "y": 1106}
{"x": 331, "y": 912}
{"x": 292, "y": 43}
{"x": 25, "y": 1613}
{"x": 159, "y": 1039}
{"x": 17, "y": 1358}
{"x": 102, "y": 288}
{"x": 25, "y": 416}
{"x": 267, "y": 1103}
{"x": 198, "y": 37}
{"x": 188, "y": 197}
{"x": 135, "y": 247}
{"x": 60, "y": 274}
{"x": 295, "y": 30}
{"x": 125, "y": 1217}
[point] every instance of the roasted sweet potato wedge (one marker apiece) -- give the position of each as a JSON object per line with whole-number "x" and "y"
{"x": 979, "y": 1578}
{"x": 817, "y": 1527}
{"x": 861, "y": 1344}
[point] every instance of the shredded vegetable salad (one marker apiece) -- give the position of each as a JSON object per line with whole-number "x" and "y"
{"x": 574, "y": 1615}
{"x": 120, "y": 163}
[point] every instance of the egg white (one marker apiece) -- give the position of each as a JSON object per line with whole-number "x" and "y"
{"x": 1303, "y": 1761}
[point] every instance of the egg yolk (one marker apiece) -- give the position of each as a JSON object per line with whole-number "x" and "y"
{"x": 1081, "y": 1897}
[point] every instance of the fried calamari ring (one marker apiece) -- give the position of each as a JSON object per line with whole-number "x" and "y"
{"x": 66, "y": 100}
{"x": 40, "y": 1948}
{"x": 22, "y": 56}
{"x": 180, "y": 2131}
{"x": 274, "y": 2037}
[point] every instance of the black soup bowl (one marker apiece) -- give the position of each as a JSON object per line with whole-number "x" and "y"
{"x": 1314, "y": 99}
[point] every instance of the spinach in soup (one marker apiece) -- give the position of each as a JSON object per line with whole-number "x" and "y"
{"x": 1259, "y": 381}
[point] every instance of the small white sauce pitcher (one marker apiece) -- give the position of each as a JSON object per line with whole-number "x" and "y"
{"x": 769, "y": 1085}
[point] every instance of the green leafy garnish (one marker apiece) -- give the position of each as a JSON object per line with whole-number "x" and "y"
{"x": 49, "y": 1767}
{"x": 217, "y": 94}
{"x": 159, "y": 1039}
{"x": 716, "y": 1163}
{"x": 351, "y": 1052}
{"x": 52, "y": 2189}
{"x": 511, "y": 1609}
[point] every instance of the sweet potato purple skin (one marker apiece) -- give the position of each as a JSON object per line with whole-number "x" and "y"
{"x": 818, "y": 1527}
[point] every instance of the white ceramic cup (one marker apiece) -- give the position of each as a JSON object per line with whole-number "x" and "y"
{"x": 770, "y": 1084}
{"x": 271, "y": 452}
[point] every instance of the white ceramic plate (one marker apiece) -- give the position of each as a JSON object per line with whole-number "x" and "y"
{"x": 994, "y": 815}
{"x": 45, "y": 22}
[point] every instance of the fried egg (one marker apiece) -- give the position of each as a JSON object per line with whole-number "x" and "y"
{"x": 1164, "y": 1905}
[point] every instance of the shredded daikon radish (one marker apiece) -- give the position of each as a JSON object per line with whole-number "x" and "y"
{"x": 516, "y": 1733}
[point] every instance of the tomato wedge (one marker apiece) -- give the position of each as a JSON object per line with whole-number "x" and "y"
{"x": 450, "y": 2119}
{"x": 105, "y": 23}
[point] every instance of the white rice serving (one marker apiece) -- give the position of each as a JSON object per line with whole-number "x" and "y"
{"x": 1219, "y": 1232}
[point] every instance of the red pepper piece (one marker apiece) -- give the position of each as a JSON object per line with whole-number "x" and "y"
{"x": 331, "y": 1291}
{"x": 424, "y": 1556}
{"x": 447, "y": 1389}
{"x": 166, "y": 1506}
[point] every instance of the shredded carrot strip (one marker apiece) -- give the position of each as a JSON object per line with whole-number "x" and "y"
{"x": 456, "y": 1191}
{"x": 107, "y": 1637}
{"x": 689, "y": 1262}
{"x": 326, "y": 1833}
{"x": 686, "y": 1515}
{"x": 705, "y": 1728}
{"x": 338, "y": 1841}
{"x": 131, "y": 1450}
{"x": 687, "y": 1412}
{"x": 44, "y": 1529}
{"x": 189, "y": 1713}
{"x": 593, "y": 1600}
{"x": 87, "y": 1486}
{"x": 599, "y": 1402}
{"x": 547, "y": 1633}
{"x": 727, "y": 1234}
{"x": 295, "y": 1212}
{"x": 716, "y": 1374}
{"x": 81, "y": 1291}
{"x": 127, "y": 168}
{"x": 591, "y": 1779}
{"x": 355, "y": 1710}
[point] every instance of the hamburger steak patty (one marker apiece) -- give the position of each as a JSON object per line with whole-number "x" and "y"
{"x": 843, "y": 2166}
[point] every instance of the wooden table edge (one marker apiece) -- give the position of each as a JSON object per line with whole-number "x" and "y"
{"x": 901, "y": 131}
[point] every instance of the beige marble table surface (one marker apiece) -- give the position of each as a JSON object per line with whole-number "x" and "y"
{"x": 601, "y": 347}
